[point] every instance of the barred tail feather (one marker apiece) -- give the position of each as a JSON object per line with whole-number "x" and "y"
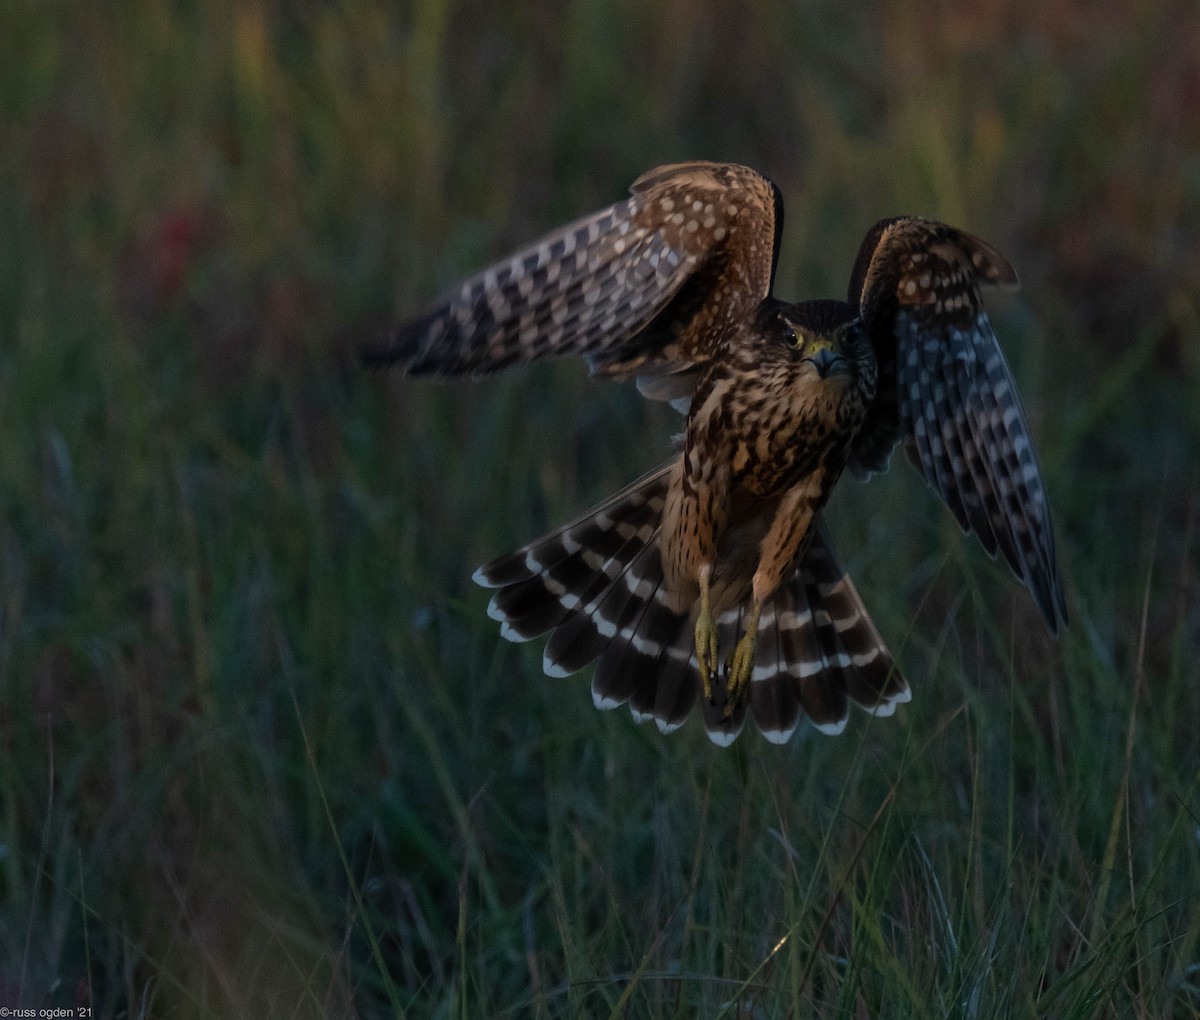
{"x": 613, "y": 615}
{"x": 603, "y": 529}
{"x": 826, "y": 652}
{"x": 649, "y": 663}
{"x": 589, "y": 581}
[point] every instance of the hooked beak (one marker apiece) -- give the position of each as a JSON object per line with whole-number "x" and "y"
{"x": 824, "y": 358}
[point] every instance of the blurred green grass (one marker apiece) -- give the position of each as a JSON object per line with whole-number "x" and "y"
{"x": 261, "y": 752}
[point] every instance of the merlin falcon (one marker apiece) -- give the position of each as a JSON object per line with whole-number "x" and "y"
{"x": 712, "y": 578}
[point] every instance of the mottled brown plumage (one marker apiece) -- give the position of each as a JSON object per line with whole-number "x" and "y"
{"x": 713, "y": 575}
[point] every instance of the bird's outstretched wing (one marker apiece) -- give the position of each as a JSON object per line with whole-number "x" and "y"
{"x": 643, "y": 287}
{"x": 945, "y": 387}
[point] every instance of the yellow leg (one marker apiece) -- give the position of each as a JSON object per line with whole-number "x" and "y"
{"x": 706, "y": 637}
{"x": 741, "y": 663}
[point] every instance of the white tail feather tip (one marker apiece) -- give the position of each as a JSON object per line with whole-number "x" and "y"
{"x": 831, "y": 729}
{"x": 509, "y": 634}
{"x": 723, "y": 738}
{"x": 603, "y": 702}
{"x": 552, "y": 668}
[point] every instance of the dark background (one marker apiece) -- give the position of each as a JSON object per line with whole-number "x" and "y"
{"x": 261, "y": 751}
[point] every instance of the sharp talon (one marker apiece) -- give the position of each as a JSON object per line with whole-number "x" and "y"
{"x": 741, "y": 665}
{"x": 741, "y": 662}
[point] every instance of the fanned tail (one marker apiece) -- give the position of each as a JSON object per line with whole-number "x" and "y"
{"x": 596, "y": 587}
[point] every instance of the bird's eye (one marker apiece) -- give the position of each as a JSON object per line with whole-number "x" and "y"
{"x": 791, "y": 337}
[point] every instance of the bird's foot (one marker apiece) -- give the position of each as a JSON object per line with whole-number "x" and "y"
{"x": 741, "y": 663}
{"x": 740, "y": 666}
{"x": 706, "y": 638}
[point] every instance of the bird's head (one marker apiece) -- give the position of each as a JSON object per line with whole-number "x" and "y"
{"x": 819, "y": 333}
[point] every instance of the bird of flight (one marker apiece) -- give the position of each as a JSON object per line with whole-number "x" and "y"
{"x": 712, "y": 578}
